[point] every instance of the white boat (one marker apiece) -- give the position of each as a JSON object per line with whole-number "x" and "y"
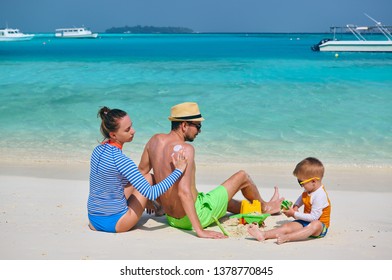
{"x": 11, "y": 34}
{"x": 359, "y": 45}
{"x": 75, "y": 32}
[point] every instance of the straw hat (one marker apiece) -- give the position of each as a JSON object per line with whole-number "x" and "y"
{"x": 187, "y": 111}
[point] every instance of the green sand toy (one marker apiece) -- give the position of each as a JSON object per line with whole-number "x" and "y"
{"x": 220, "y": 226}
{"x": 251, "y": 218}
{"x": 286, "y": 204}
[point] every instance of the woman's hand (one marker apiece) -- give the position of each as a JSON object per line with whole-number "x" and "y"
{"x": 180, "y": 161}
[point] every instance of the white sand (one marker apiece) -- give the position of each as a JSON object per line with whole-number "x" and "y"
{"x": 43, "y": 217}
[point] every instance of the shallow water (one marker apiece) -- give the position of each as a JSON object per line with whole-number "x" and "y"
{"x": 266, "y": 98}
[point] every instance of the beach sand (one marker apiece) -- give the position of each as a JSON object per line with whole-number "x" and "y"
{"x": 43, "y": 217}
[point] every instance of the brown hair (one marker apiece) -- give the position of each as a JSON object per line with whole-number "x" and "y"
{"x": 176, "y": 124}
{"x": 109, "y": 119}
{"x": 309, "y": 167}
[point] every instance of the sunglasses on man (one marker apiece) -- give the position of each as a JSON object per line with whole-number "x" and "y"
{"x": 197, "y": 125}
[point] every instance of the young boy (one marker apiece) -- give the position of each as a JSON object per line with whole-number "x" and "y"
{"x": 314, "y": 221}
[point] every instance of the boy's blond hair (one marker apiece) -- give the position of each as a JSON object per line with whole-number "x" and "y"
{"x": 308, "y": 168}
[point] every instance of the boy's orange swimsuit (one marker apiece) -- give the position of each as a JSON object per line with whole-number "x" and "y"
{"x": 326, "y": 212}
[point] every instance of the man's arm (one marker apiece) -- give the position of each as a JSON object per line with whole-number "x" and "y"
{"x": 188, "y": 200}
{"x": 145, "y": 165}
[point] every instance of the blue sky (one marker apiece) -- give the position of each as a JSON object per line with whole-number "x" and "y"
{"x": 199, "y": 15}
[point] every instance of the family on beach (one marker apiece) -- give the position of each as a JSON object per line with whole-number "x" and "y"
{"x": 164, "y": 182}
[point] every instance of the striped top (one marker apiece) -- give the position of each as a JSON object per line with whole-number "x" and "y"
{"x": 110, "y": 171}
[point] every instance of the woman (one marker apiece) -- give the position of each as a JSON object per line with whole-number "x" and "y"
{"x": 118, "y": 191}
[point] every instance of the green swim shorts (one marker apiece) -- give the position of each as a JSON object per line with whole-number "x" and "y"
{"x": 209, "y": 205}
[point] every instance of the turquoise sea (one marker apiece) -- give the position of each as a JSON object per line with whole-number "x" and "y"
{"x": 266, "y": 98}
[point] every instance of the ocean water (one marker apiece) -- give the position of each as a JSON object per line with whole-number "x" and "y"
{"x": 266, "y": 98}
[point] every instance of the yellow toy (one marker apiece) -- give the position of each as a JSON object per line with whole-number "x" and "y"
{"x": 251, "y": 213}
{"x": 247, "y": 207}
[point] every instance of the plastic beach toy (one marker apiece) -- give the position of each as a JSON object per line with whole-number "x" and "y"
{"x": 286, "y": 204}
{"x": 220, "y": 226}
{"x": 247, "y": 207}
{"x": 251, "y": 218}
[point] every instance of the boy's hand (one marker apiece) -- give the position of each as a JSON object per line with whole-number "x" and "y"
{"x": 289, "y": 213}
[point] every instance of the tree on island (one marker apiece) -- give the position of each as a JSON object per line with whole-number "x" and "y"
{"x": 148, "y": 29}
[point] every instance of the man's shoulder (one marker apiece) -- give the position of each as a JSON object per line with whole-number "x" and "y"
{"x": 188, "y": 146}
{"x": 158, "y": 136}
{"x": 158, "y": 139}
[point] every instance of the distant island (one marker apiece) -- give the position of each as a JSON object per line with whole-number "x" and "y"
{"x": 148, "y": 29}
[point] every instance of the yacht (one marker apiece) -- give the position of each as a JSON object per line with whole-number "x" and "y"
{"x": 75, "y": 32}
{"x": 11, "y": 34}
{"x": 361, "y": 44}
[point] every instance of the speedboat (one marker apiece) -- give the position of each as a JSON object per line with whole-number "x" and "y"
{"x": 75, "y": 32}
{"x": 361, "y": 44}
{"x": 10, "y": 34}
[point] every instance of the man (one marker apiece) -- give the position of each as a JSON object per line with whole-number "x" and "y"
{"x": 184, "y": 206}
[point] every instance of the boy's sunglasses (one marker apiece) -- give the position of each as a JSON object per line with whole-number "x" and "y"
{"x": 307, "y": 180}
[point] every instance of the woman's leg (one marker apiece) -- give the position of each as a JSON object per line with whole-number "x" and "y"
{"x": 136, "y": 205}
{"x": 128, "y": 191}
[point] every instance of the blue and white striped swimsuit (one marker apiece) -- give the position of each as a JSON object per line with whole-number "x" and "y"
{"x": 110, "y": 172}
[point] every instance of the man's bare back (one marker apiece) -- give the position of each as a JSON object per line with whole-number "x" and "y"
{"x": 159, "y": 150}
